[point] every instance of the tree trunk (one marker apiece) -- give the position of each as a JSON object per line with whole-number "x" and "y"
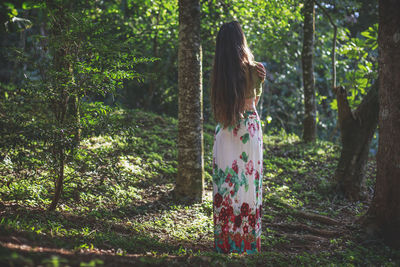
{"x": 309, "y": 122}
{"x": 61, "y": 66}
{"x": 190, "y": 179}
{"x": 74, "y": 110}
{"x": 357, "y": 129}
{"x": 60, "y": 180}
{"x": 154, "y": 69}
{"x": 383, "y": 216}
{"x": 75, "y": 114}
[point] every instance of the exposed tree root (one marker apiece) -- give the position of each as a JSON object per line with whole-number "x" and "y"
{"x": 316, "y": 217}
{"x": 304, "y": 238}
{"x": 313, "y": 216}
{"x": 303, "y": 227}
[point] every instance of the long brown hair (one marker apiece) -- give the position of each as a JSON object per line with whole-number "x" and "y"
{"x": 230, "y": 73}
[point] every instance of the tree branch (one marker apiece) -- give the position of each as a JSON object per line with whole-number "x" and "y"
{"x": 333, "y": 44}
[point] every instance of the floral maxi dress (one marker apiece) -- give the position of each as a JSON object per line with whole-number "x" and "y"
{"x": 237, "y": 186}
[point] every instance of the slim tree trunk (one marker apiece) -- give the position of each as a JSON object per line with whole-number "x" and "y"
{"x": 61, "y": 66}
{"x": 383, "y": 216}
{"x": 190, "y": 179}
{"x": 154, "y": 68}
{"x": 309, "y": 122}
{"x": 356, "y": 130}
{"x": 60, "y": 180}
{"x": 76, "y": 118}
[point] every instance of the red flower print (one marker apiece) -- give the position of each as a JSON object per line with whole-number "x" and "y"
{"x": 228, "y": 178}
{"x": 229, "y": 211}
{"x": 238, "y": 239}
{"x": 230, "y": 184}
{"x": 235, "y": 166}
{"x": 238, "y": 221}
{"x": 252, "y": 129}
{"x": 227, "y": 201}
{"x": 223, "y": 215}
{"x": 235, "y": 130}
{"x": 227, "y": 246}
{"x": 247, "y": 245}
{"x": 252, "y": 220}
{"x": 232, "y": 192}
{"x": 217, "y": 200}
{"x": 245, "y": 229}
{"x": 257, "y": 175}
{"x": 249, "y": 167}
{"x": 244, "y": 209}
{"x": 225, "y": 228}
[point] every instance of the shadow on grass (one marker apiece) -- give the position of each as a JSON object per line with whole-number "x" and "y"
{"x": 68, "y": 231}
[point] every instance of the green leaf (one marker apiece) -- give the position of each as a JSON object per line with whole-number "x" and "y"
{"x": 366, "y": 34}
{"x": 334, "y": 104}
{"x": 244, "y": 156}
{"x": 245, "y": 138}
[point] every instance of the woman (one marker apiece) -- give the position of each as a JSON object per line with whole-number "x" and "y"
{"x": 237, "y": 153}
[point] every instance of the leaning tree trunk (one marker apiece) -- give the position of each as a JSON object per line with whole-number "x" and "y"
{"x": 190, "y": 179}
{"x": 309, "y": 122}
{"x": 383, "y": 216}
{"x": 357, "y": 129}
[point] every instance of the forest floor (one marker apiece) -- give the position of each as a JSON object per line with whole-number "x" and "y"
{"x": 117, "y": 207}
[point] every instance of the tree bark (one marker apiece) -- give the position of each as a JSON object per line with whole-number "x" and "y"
{"x": 60, "y": 180}
{"x": 60, "y": 105}
{"x": 356, "y": 130}
{"x": 154, "y": 69}
{"x": 309, "y": 122}
{"x": 383, "y": 216}
{"x": 190, "y": 179}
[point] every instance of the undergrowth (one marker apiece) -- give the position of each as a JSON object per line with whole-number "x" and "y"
{"x": 117, "y": 205}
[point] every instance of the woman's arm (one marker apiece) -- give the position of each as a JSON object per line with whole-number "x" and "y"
{"x": 261, "y": 71}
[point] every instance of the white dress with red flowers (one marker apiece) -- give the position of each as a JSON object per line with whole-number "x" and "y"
{"x": 237, "y": 186}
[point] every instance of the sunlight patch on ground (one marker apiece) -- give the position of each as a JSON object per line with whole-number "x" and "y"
{"x": 131, "y": 164}
{"x": 96, "y": 142}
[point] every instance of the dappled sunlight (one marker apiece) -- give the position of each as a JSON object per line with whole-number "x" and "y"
{"x": 131, "y": 165}
{"x": 98, "y": 142}
{"x": 118, "y": 200}
{"x": 110, "y": 133}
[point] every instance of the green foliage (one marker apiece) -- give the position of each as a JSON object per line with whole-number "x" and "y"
{"x": 118, "y": 201}
{"x": 108, "y": 31}
{"x": 120, "y": 176}
{"x": 358, "y": 65}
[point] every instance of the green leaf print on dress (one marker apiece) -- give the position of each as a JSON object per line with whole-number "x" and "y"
{"x": 237, "y": 192}
{"x": 244, "y": 182}
{"x": 245, "y": 138}
{"x": 244, "y": 156}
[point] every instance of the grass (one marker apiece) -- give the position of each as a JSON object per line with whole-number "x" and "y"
{"x": 117, "y": 206}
